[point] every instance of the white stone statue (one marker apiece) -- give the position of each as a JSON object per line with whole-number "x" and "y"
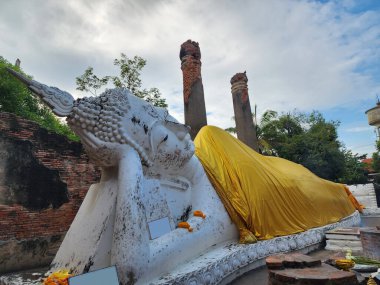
{"x": 151, "y": 181}
{"x": 149, "y": 174}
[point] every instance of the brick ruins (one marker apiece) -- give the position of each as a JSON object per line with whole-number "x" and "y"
{"x": 246, "y": 130}
{"x": 43, "y": 180}
{"x": 193, "y": 95}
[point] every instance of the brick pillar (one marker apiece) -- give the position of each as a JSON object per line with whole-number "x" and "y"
{"x": 246, "y": 130}
{"x": 194, "y": 101}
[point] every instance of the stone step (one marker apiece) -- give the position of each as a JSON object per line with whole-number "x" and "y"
{"x": 347, "y": 233}
{"x": 344, "y": 243}
{"x": 338, "y": 248}
{"x": 342, "y": 237}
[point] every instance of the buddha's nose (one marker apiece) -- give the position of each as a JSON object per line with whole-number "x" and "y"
{"x": 187, "y": 137}
{"x": 183, "y": 136}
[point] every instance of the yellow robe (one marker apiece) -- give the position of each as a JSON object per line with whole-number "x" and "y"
{"x": 268, "y": 196}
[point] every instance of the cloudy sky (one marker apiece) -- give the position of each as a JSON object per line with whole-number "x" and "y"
{"x": 304, "y": 55}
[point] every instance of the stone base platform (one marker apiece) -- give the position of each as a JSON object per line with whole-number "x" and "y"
{"x": 225, "y": 262}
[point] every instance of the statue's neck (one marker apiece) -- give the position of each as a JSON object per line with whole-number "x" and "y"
{"x": 108, "y": 173}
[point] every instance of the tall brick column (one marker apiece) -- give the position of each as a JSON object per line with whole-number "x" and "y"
{"x": 194, "y": 101}
{"x": 246, "y": 131}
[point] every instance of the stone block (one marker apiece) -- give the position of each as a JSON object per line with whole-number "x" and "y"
{"x": 344, "y": 243}
{"x": 341, "y": 239}
{"x": 296, "y": 273}
{"x": 294, "y": 260}
{"x": 370, "y": 238}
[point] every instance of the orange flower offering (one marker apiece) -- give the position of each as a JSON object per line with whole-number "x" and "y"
{"x": 185, "y": 225}
{"x": 199, "y": 213}
{"x": 59, "y": 277}
{"x": 345, "y": 264}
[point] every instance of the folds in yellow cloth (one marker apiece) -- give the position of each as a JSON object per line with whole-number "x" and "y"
{"x": 268, "y": 196}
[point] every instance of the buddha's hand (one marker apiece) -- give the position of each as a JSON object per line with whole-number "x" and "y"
{"x": 103, "y": 153}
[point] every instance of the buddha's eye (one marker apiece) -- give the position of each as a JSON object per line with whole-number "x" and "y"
{"x": 165, "y": 138}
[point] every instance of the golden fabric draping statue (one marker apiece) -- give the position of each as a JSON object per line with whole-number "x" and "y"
{"x": 268, "y": 196}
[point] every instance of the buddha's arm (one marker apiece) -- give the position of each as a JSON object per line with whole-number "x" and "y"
{"x": 130, "y": 247}
{"x": 180, "y": 245}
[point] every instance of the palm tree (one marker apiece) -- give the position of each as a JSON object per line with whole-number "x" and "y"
{"x": 264, "y": 146}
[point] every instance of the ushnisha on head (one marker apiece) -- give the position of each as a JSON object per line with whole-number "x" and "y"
{"x": 100, "y": 119}
{"x": 115, "y": 118}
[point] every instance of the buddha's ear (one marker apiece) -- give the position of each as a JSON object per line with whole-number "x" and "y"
{"x": 60, "y": 102}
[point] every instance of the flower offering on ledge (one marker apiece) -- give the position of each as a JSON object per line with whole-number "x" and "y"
{"x": 199, "y": 213}
{"x": 185, "y": 225}
{"x": 59, "y": 277}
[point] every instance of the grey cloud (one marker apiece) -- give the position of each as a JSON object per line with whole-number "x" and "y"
{"x": 300, "y": 54}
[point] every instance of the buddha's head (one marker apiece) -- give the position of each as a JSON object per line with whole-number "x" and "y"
{"x": 118, "y": 117}
{"x": 115, "y": 118}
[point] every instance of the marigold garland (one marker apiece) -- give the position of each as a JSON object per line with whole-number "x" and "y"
{"x": 185, "y": 225}
{"x": 199, "y": 213}
{"x": 59, "y": 277}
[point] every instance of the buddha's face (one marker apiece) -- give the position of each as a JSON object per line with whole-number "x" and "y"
{"x": 171, "y": 145}
{"x": 117, "y": 117}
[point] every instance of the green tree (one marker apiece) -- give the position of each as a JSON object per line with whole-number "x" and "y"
{"x": 129, "y": 77}
{"x": 323, "y": 156}
{"x": 15, "y": 97}
{"x": 264, "y": 146}
{"x": 310, "y": 140}
{"x": 18, "y": 99}
{"x": 89, "y": 82}
{"x": 354, "y": 170}
{"x": 280, "y": 132}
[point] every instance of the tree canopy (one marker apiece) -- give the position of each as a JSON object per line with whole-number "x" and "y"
{"x": 16, "y": 98}
{"x": 129, "y": 78}
{"x": 310, "y": 140}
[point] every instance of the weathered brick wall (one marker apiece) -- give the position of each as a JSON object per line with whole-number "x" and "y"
{"x": 43, "y": 180}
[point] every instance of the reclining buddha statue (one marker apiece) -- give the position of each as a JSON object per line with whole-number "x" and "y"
{"x": 150, "y": 173}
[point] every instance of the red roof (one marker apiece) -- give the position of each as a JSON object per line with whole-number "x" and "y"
{"x": 368, "y": 164}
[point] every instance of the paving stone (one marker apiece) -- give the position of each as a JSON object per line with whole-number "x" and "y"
{"x": 294, "y": 260}
{"x": 299, "y": 269}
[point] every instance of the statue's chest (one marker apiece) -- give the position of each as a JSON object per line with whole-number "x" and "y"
{"x": 166, "y": 202}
